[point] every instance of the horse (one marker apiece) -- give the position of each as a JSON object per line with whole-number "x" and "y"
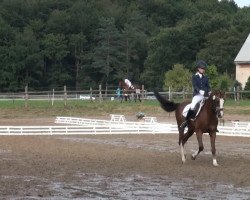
{"x": 205, "y": 122}
{"x": 134, "y": 91}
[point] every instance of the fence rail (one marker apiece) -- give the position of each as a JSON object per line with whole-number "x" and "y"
{"x": 100, "y": 94}
{"x": 75, "y": 126}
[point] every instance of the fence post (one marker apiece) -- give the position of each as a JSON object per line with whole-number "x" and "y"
{"x": 53, "y": 96}
{"x": 91, "y": 94}
{"x": 100, "y": 92}
{"x": 169, "y": 93}
{"x": 65, "y": 96}
{"x": 13, "y": 98}
{"x": 106, "y": 91}
{"x": 26, "y": 96}
{"x": 143, "y": 92}
{"x": 238, "y": 93}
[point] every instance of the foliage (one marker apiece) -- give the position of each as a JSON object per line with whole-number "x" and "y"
{"x": 178, "y": 78}
{"x": 219, "y": 81}
{"x": 46, "y": 43}
{"x": 247, "y": 88}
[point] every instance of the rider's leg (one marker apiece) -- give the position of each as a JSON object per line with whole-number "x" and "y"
{"x": 191, "y": 113}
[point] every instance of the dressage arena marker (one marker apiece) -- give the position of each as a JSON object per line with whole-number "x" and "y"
{"x": 116, "y": 125}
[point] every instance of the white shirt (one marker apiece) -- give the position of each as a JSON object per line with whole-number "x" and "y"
{"x": 128, "y": 83}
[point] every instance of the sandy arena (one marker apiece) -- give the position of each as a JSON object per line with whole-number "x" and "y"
{"x": 120, "y": 167}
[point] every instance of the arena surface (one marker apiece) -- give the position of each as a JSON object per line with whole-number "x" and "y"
{"x": 120, "y": 167}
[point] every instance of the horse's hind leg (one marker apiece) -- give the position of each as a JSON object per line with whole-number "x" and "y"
{"x": 201, "y": 147}
{"x": 139, "y": 97}
{"x": 212, "y": 139}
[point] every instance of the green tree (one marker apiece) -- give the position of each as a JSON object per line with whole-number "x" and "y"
{"x": 178, "y": 78}
{"x": 7, "y": 38}
{"x": 54, "y": 51}
{"x": 247, "y": 89}
{"x": 163, "y": 52}
{"x": 219, "y": 81}
{"x": 225, "y": 82}
{"x": 216, "y": 49}
{"x": 58, "y": 22}
{"x": 107, "y": 52}
{"x": 77, "y": 44}
{"x": 27, "y": 59}
{"x": 212, "y": 74}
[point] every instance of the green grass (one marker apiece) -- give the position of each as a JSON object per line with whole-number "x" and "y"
{"x": 241, "y": 103}
{"x": 35, "y": 108}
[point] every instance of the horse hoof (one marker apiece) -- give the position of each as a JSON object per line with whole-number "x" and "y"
{"x": 215, "y": 163}
{"x": 193, "y": 157}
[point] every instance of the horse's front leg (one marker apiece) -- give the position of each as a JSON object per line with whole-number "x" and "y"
{"x": 213, "y": 149}
{"x": 201, "y": 147}
{"x": 183, "y": 138}
{"x": 181, "y": 133}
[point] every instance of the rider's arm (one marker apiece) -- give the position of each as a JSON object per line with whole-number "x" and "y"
{"x": 195, "y": 84}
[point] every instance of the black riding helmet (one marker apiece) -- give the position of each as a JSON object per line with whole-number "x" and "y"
{"x": 201, "y": 64}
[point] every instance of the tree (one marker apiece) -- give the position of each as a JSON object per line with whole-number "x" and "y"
{"x": 77, "y": 44}
{"x": 107, "y": 52}
{"x": 212, "y": 74}
{"x": 163, "y": 52}
{"x": 216, "y": 50}
{"x": 7, "y": 38}
{"x": 219, "y": 81}
{"x": 54, "y": 51}
{"x": 27, "y": 59}
{"x": 178, "y": 78}
{"x": 247, "y": 89}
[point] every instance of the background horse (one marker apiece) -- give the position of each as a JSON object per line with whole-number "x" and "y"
{"x": 206, "y": 121}
{"x": 129, "y": 92}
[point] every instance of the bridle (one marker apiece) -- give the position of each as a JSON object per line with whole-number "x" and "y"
{"x": 218, "y": 105}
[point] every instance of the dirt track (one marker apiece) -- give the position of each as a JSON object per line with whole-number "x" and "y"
{"x": 121, "y": 167}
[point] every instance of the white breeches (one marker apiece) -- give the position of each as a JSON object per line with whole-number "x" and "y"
{"x": 197, "y": 98}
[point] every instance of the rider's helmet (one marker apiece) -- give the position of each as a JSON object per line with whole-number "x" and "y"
{"x": 201, "y": 64}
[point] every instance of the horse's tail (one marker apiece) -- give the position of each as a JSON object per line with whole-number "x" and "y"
{"x": 169, "y": 106}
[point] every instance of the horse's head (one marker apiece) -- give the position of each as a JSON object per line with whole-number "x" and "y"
{"x": 218, "y": 101}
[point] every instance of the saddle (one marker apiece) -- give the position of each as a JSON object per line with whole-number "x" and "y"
{"x": 197, "y": 108}
{"x": 131, "y": 87}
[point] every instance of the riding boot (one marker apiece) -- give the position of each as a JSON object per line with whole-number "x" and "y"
{"x": 190, "y": 116}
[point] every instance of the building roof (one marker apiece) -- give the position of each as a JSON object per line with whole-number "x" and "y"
{"x": 244, "y": 53}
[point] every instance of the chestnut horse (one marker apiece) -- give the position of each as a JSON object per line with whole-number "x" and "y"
{"x": 205, "y": 122}
{"x": 130, "y": 92}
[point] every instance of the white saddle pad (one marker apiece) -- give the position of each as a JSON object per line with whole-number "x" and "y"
{"x": 187, "y": 107}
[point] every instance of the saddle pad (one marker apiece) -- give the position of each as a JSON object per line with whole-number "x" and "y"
{"x": 187, "y": 107}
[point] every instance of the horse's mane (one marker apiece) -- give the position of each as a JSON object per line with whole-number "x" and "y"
{"x": 169, "y": 106}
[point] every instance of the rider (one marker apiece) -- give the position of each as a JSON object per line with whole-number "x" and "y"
{"x": 201, "y": 88}
{"x": 128, "y": 83}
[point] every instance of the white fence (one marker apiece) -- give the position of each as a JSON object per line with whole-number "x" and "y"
{"x": 117, "y": 125}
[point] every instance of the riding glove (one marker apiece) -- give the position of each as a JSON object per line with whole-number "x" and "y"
{"x": 202, "y": 92}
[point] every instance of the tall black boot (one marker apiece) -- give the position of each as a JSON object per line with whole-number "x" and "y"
{"x": 190, "y": 115}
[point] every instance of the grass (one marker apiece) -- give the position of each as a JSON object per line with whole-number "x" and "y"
{"x": 9, "y": 109}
